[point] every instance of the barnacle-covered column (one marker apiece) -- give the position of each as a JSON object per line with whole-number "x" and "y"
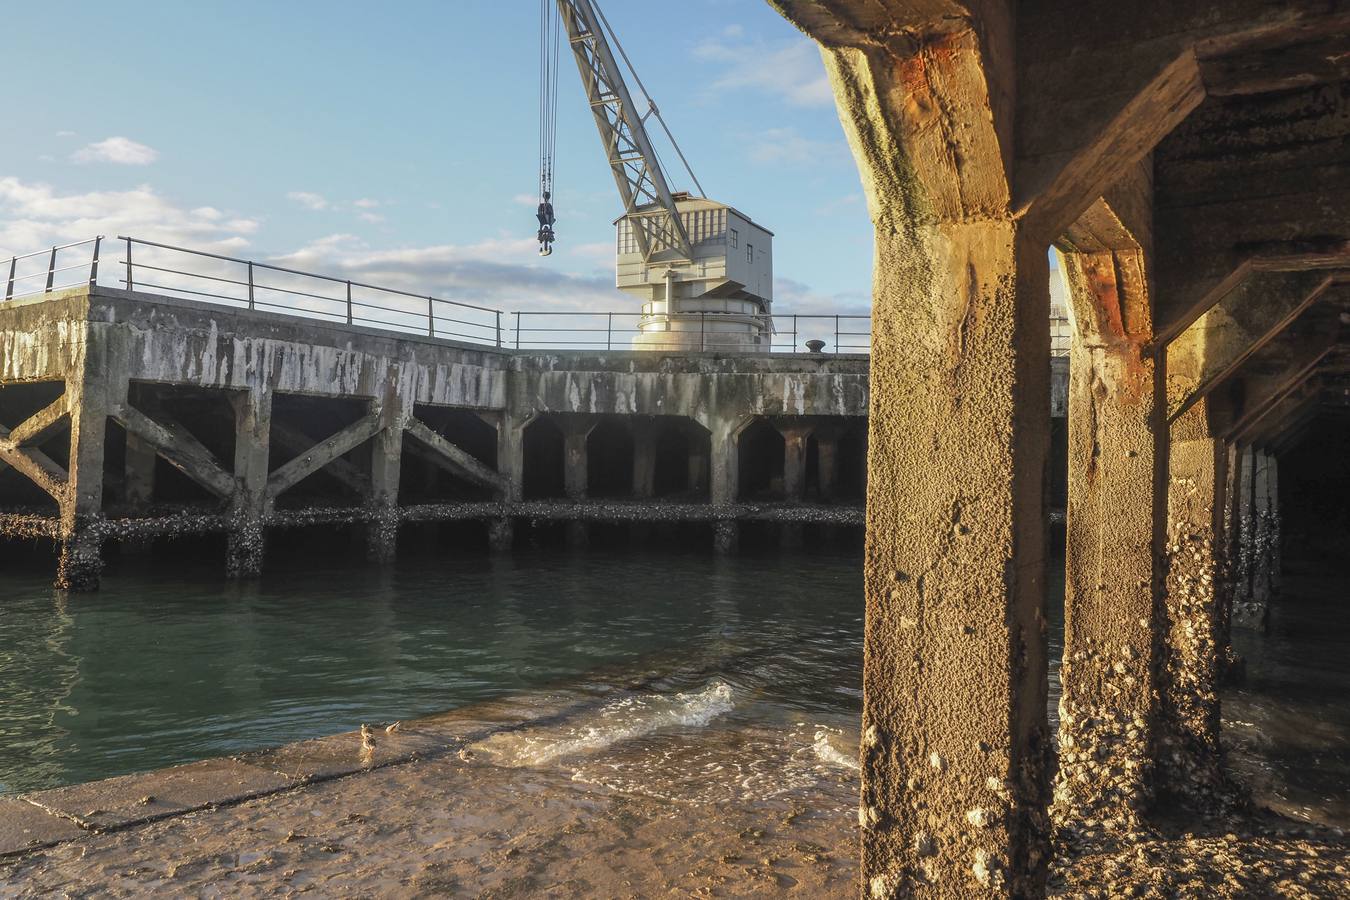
{"x": 1114, "y": 525}
{"x": 246, "y": 545}
{"x": 1188, "y": 754}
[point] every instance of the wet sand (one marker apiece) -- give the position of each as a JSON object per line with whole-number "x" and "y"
{"x": 524, "y": 799}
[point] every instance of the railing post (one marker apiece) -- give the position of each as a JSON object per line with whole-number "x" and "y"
{"x": 794, "y": 332}
{"x": 130, "y": 286}
{"x": 51, "y": 271}
{"x": 250, "y": 285}
{"x": 702, "y": 330}
{"x": 836, "y": 334}
{"x": 9, "y": 286}
{"x": 93, "y": 266}
{"x": 517, "y": 330}
{"x": 499, "y": 328}
{"x": 349, "y": 301}
{"x": 431, "y": 317}
{"x": 609, "y": 331}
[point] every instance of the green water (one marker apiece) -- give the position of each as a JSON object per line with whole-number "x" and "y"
{"x": 169, "y": 664}
{"x": 158, "y": 669}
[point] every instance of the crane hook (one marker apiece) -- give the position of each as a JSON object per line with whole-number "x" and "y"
{"x": 546, "y": 220}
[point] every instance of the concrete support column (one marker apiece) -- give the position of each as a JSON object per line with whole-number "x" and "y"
{"x": 1195, "y": 658}
{"x": 386, "y": 457}
{"x": 100, "y": 383}
{"x": 1250, "y": 595}
{"x": 246, "y": 547}
{"x": 792, "y": 535}
{"x": 139, "y": 480}
{"x": 1241, "y": 565}
{"x": 576, "y": 461}
{"x": 1115, "y": 527}
{"x": 644, "y": 458}
{"x": 511, "y": 452}
{"x": 510, "y": 463}
{"x": 827, "y": 463}
{"x": 699, "y": 461}
{"x": 955, "y": 740}
{"x": 794, "y": 462}
{"x": 139, "y": 475}
{"x": 724, "y": 468}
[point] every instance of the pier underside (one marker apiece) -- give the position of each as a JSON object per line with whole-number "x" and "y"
{"x": 1188, "y": 162}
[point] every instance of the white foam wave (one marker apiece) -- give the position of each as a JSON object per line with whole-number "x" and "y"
{"x": 828, "y": 753}
{"x": 618, "y": 720}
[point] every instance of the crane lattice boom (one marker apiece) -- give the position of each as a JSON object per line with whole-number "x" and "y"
{"x": 648, "y": 203}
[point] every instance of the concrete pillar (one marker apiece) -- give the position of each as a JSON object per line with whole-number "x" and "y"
{"x": 1115, "y": 528}
{"x": 1195, "y": 659}
{"x": 139, "y": 479}
{"x": 139, "y": 475}
{"x": 511, "y": 452}
{"x": 1261, "y": 534}
{"x": 724, "y": 466}
{"x": 1251, "y": 593}
{"x": 576, "y": 461}
{"x": 1241, "y": 566}
{"x": 246, "y": 540}
{"x": 827, "y": 463}
{"x": 386, "y": 457}
{"x": 955, "y": 740}
{"x": 100, "y": 383}
{"x": 699, "y": 464}
{"x": 792, "y": 535}
{"x": 644, "y": 457}
{"x": 794, "y": 461}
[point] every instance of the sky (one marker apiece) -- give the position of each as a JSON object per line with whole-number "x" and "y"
{"x": 397, "y": 143}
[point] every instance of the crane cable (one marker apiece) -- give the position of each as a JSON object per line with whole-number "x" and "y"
{"x": 550, "y": 30}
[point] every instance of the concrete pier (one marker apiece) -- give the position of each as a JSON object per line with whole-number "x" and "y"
{"x": 272, "y": 421}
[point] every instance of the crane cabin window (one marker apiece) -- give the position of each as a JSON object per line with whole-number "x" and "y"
{"x": 735, "y": 238}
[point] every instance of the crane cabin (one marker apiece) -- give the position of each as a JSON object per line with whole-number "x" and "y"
{"x": 702, "y": 270}
{"x": 720, "y": 297}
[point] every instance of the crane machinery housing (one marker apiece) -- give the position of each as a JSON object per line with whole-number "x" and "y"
{"x": 702, "y": 269}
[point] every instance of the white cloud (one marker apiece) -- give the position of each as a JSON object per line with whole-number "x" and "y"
{"x": 119, "y": 150}
{"x": 34, "y": 215}
{"x": 372, "y": 218}
{"x": 791, "y": 71}
{"x": 786, "y": 146}
{"x": 791, "y": 296}
{"x": 529, "y": 200}
{"x": 599, "y": 253}
{"x": 505, "y": 272}
{"x": 366, "y": 203}
{"x": 65, "y": 134}
{"x": 309, "y": 200}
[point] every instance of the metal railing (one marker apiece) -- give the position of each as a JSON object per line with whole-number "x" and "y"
{"x": 254, "y": 285}
{"x": 216, "y": 278}
{"x": 23, "y": 274}
{"x": 690, "y": 331}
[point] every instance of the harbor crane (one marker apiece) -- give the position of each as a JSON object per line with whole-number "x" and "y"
{"x": 702, "y": 269}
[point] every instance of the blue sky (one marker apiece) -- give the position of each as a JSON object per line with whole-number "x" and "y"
{"x": 399, "y": 143}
